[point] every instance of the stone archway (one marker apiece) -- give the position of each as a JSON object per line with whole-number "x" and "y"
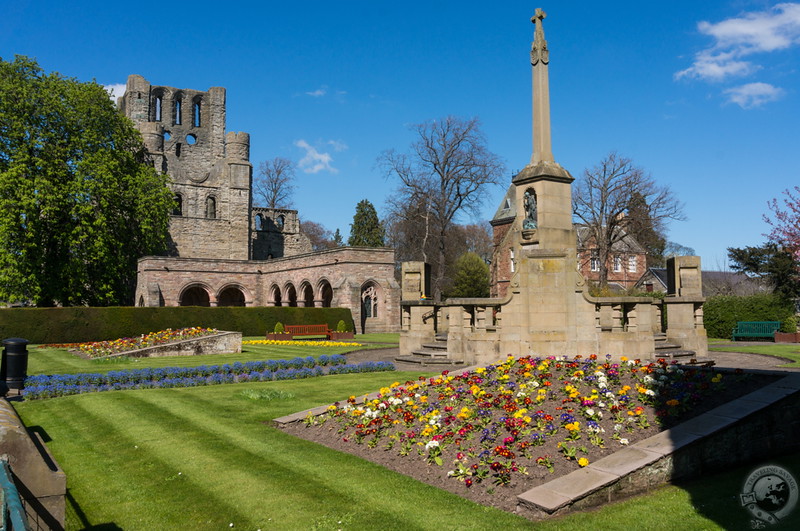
{"x": 195, "y": 295}
{"x": 291, "y": 295}
{"x": 325, "y": 293}
{"x": 275, "y": 295}
{"x": 307, "y": 294}
{"x": 231, "y": 296}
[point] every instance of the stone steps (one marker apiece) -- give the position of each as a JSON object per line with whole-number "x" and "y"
{"x": 431, "y": 354}
{"x": 673, "y": 352}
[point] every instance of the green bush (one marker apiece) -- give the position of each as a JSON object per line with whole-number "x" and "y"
{"x": 721, "y": 313}
{"x": 278, "y": 328}
{"x": 341, "y": 327}
{"x": 79, "y": 324}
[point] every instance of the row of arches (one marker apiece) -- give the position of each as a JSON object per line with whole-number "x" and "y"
{"x": 201, "y": 295}
{"x": 305, "y": 296}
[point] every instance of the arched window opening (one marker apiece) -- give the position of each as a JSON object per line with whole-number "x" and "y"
{"x": 211, "y": 208}
{"x": 259, "y": 222}
{"x": 369, "y": 301}
{"x": 177, "y": 111}
{"x": 141, "y": 300}
{"x": 177, "y": 210}
{"x": 291, "y": 295}
{"x": 196, "y": 113}
{"x": 231, "y": 297}
{"x": 308, "y": 296}
{"x": 157, "y": 108}
{"x": 195, "y": 296}
{"x": 281, "y": 220}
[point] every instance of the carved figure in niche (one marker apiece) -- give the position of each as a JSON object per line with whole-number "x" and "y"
{"x": 529, "y": 202}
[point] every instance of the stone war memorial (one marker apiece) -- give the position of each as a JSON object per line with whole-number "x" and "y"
{"x": 224, "y": 252}
{"x": 544, "y": 307}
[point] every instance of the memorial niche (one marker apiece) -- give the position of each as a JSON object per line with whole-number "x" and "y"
{"x": 529, "y": 203}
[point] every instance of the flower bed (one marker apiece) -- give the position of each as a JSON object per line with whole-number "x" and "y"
{"x": 50, "y": 386}
{"x": 99, "y": 349}
{"x": 508, "y": 427}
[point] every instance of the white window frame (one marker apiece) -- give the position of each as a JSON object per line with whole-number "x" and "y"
{"x": 632, "y": 266}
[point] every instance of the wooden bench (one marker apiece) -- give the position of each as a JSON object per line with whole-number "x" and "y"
{"x": 755, "y": 329}
{"x": 308, "y": 330}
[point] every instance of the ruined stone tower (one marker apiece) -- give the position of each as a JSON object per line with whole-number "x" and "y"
{"x": 184, "y": 132}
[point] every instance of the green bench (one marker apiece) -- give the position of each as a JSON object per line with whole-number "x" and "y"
{"x": 755, "y": 329}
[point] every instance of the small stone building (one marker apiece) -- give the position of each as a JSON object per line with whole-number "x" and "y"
{"x": 224, "y": 252}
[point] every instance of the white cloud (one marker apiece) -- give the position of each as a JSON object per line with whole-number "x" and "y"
{"x": 115, "y": 90}
{"x": 337, "y": 145}
{"x": 314, "y": 161}
{"x": 319, "y": 92}
{"x": 753, "y": 95}
{"x": 736, "y": 38}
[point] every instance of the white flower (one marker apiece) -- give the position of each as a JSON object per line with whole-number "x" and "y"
{"x": 623, "y": 442}
{"x": 590, "y": 412}
{"x": 431, "y": 444}
{"x": 650, "y": 392}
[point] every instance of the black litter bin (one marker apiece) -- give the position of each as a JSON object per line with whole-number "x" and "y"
{"x": 14, "y": 366}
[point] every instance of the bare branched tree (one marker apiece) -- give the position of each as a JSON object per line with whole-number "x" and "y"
{"x": 445, "y": 173}
{"x": 274, "y": 184}
{"x": 602, "y": 200}
{"x": 321, "y": 238}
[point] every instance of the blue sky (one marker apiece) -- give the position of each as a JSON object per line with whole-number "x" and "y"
{"x": 703, "y": 95}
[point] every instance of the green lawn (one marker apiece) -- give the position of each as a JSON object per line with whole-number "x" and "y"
{"x": 203, "y": 458}
{"x": 206, "y": 458}
{"x": 60, "y": 361}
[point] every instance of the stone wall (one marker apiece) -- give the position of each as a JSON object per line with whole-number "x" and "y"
{"x": 335, "y": 278}
{"x": 222, "y": 343}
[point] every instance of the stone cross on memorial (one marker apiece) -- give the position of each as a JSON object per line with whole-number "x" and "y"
{"x": 540, "y": 57}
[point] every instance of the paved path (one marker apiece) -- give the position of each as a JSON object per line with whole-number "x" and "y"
{"x": 732, "y": 359}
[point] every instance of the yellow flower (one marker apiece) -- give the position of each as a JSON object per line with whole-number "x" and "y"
{"x": 583, "y": 461}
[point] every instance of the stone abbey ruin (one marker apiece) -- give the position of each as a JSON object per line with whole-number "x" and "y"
{"x": 224, "y": 252}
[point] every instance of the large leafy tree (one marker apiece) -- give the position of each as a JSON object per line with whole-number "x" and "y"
{"x": 366, "y": 229}
{"x": 617, "y": 197}
{"x": 79, "y": 202}
{"x": 446, "y": 173}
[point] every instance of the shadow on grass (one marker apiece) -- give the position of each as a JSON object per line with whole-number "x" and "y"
{"x": 745, "y": 475}
{"x": 72, "y": 505}
{"x": 719, "y": 497}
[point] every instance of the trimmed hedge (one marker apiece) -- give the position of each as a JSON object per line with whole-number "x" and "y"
{"x": 81, "y": 324}
{"x": 721, "y": 313}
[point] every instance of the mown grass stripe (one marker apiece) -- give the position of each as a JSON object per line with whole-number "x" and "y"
{"x": 320, "y": 481}
{"x": 114, "y": 462}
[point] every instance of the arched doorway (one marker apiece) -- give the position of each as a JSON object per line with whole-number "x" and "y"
{"x": 194, "y": 296}
{"x": 231, "y": 296}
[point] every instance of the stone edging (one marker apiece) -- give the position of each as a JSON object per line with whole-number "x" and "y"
{"x": 185, "y": 347}
{"x": 683, "y": 451}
